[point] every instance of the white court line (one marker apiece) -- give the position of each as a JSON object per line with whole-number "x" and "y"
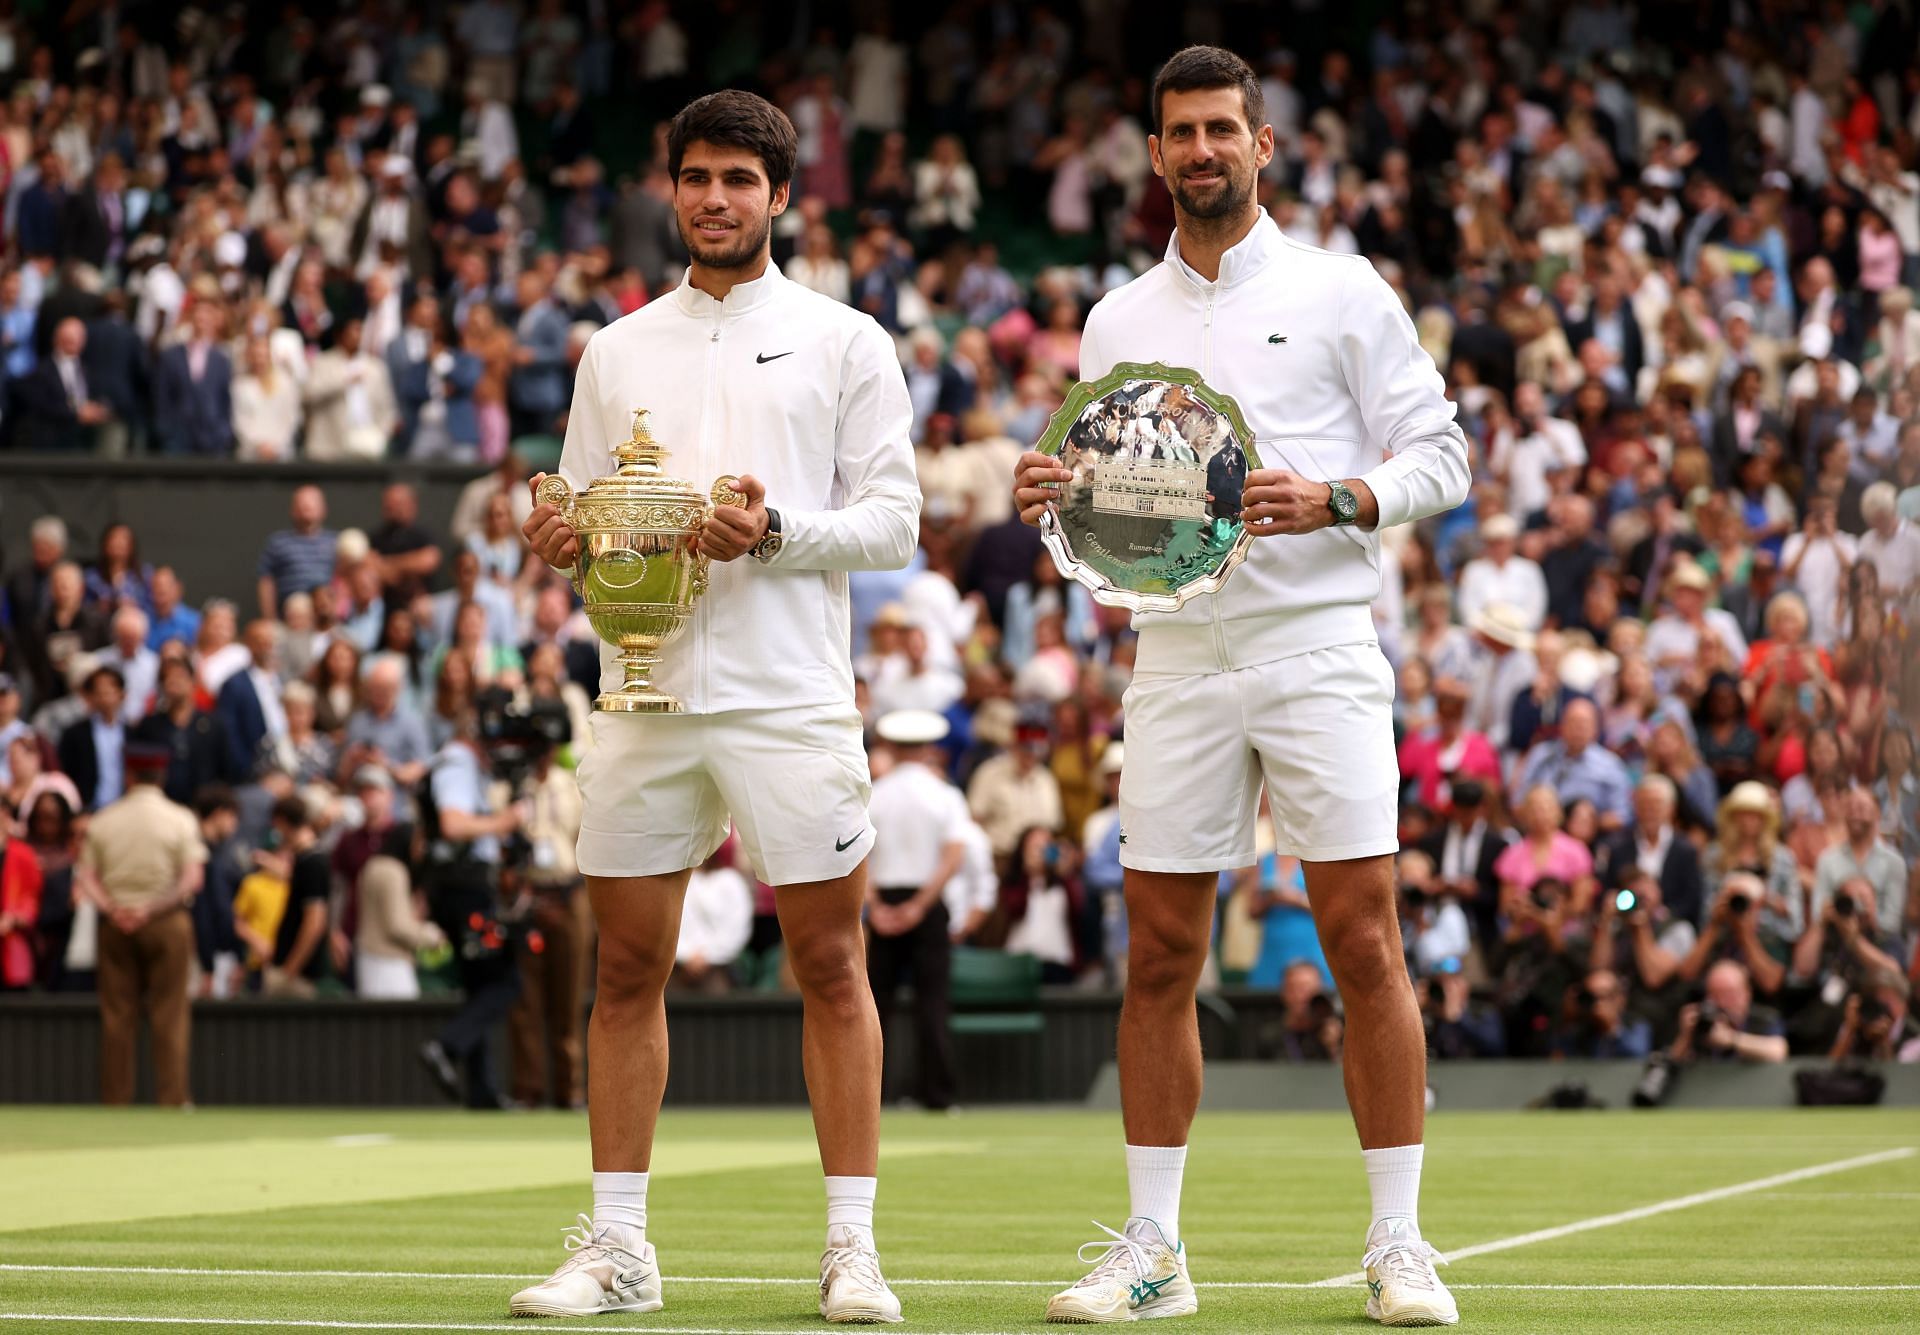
{"x": 291, "y": 1323}
{"x": 763, "y": 1281}
{"x": 1838, "y": 1196}
{"x": 1648, "y": 1211}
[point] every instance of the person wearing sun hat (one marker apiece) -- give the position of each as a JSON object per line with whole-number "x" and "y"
{"x": 1503, "y": 666}
{"x": 1747, "y": 838}
{"x": 1673, "y": 640}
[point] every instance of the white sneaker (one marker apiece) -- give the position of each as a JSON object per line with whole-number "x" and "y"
{"x": 602, "y": 1275}
{"x": 1405, "y": 1291}
{"x": 852, "y": 1289}
{"x": 1138, "y": 1276}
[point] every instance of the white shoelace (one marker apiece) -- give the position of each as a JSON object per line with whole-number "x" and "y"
{"x": 858, "y": 1262}
{"x": 588, "y": 1244}
{"x": 1116, "y": 1247}
{"x": 1408, "y": 1262}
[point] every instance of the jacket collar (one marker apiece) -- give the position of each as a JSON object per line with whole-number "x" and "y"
{"x": 1249, "y": 256}
{"x": 742, "y": 298}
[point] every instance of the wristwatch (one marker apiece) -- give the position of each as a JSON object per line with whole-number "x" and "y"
{"x": 769, "y": 546}
{"x": 1340, "y": 500}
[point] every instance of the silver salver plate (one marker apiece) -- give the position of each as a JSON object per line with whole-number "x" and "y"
{"x": 1152, "y": 515}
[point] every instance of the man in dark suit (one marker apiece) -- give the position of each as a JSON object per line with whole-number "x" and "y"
{"x": 195, "y": 742}
{"x": 95, "y": 220}
{"x": 1611, "y": 320}
{"x": 115, "y": 362}
{"x": 53, "y": 406}
{"x": 409, "y": 358}
{"x": 1740, "y": 430}
{"x": 394, "y": 217}
{"x": 1654, "y": 844}
{"x": 93, "y": 750}
{"x": 1464, "y": 850}
{"x": 249, "y": 703}
{"x": 42, "y": 209}
{"x": 193, "y": 390}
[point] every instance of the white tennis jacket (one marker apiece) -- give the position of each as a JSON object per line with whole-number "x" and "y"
{"x": 804, "y": 393}
{"x": 1320, "y": 356}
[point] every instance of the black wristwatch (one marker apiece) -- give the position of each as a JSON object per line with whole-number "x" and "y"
{"x": 769, "y": 546}
{"x": 1341, "y": 500}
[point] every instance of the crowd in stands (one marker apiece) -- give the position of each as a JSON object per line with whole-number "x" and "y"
{"x": 1658, "y": 676}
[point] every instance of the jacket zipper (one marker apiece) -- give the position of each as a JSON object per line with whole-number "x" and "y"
{"x": 1206, "y": 373}
{"x": 707, "y": 410}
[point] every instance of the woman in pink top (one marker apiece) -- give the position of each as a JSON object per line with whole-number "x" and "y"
{"x": 1544, "y": 850}
{"x": 1879, "y": 250}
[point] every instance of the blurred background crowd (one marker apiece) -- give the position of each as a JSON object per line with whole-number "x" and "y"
{"x": 1658, "y": 680}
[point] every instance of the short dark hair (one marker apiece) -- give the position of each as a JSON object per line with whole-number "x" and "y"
{"x": 291, "y": 811}
{"x": 210, "y": 798}
{"x": 1198, "y": 67}
{"x": 732, "y": 118}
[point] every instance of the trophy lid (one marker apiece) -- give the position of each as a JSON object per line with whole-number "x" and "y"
{"x": 639, "y": 476}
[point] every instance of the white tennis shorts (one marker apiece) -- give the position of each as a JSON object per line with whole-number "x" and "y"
{"x": 659, "y": 790}
{"x": 1316, "y": 727}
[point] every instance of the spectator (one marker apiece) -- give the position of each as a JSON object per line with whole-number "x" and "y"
{"x": 193, "y": 390}
{"x": 1892, "y": 544}
{"x": 266, "y": 408}
{"x": 1675, "y": 638}
{"x": 1575, "y": 767}
{"x": 298, "y": 559}
{"x": 138, "y": 666}
{"x": 1815, "y": 560}
{"x": 349, "y": 401}
{"x": 715, "y": 922}
{"x": 1309, "y": 1028}
{"x": 249, "y": 701}
{"x": 1014, "y": 791}
{"x": 172, "y": 618}
{"x": 26, "y": 587}
{"x": 1543, "y": 850}
{"x": 1499, "y": 575}
{"x": 195, "y": 741}
{"x": 1441, "y": 756}
{"x": 390, "y": 932}
{"x": 383, "y": 732}
{"x": 93, "y": 750}
{"x": 21, "y": 883}
{"x": 1653, "y": 843}
{"x": 1595, "y": 1024}
{"x": 1503, "y": 665}
{"x": 1865, "y": 856}
{"x": 52, "y": 403}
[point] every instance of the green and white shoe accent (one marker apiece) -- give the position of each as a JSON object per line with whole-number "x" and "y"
{"x": 1403, "y": 1288}
{"x": 1137, "y": 1276}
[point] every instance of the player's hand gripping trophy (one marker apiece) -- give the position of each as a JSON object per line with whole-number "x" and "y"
{"x": 639, "y": 567}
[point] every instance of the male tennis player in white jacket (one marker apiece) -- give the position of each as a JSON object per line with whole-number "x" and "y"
{"x": 747, "y": 373}
{"x": 1278, "y": 677}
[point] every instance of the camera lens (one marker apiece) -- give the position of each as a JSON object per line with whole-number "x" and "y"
{"x": 1740, "y": 903}
{"x": 1843, "y": 905}
{"x": 1625, "y": 901}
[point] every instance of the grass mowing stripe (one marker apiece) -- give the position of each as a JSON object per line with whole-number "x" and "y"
{"x": 1657, "y": 1208}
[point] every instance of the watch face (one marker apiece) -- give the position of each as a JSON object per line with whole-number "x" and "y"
{"x": 1344, "y": 504}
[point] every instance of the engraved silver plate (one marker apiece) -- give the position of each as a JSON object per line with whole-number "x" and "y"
{"x": 1152, "y": 515}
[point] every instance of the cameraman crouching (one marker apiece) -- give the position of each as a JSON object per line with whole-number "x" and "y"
{"x": 1727, "y": 1026}
{"x": 464, "y": 856}
{"x": 1835, "y": 960}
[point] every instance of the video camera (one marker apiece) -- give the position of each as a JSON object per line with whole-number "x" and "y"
{"x": 515, "y": 737}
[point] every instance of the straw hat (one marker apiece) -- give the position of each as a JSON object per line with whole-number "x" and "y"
{"x": 1503, "y": 623}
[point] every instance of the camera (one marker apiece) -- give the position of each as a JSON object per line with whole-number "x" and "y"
{"x": 1843, "y": 905}
{"x": 1626, "y": 901}
{"x": 515, "y": 738}
{"x": 1738, "y": 904}
{"x": 1416, "y": 897}
{"x": 1546, "y": 893}
{"x": 1872, "y": 1010}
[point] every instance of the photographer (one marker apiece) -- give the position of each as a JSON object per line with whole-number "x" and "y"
{"x": 464, "y": 857}
{"x": 1432, "y": 925}
{"x": 1645, "y": 942}
{"x": 547, "y": 1025}
{"x": 1544, "y": 948}
{"x": 1727, "y": 1026}
{"x": 1594, "y": 1023}
{"x": 1732, "y": 932}
{"x": 1875, "y": 1026}
{"x": 1834, "y": 960}
{"x": 1309, "y": 1029}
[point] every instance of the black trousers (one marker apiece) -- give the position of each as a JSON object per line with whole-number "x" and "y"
{"x": 925, "y": 955}
{"x": 468, "y": 1037}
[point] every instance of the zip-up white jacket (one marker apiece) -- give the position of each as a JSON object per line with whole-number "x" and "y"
{"x": 1321, "y": 357}
{"x": 807, "y": 395}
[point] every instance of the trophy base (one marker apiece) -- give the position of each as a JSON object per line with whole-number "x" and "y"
{"x": 636, "y": 702}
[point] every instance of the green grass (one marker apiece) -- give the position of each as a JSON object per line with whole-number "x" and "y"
{"x": 986, "y": 1196}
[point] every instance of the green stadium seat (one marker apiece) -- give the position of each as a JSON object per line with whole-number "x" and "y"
{"x": 994, "y": 992}
{"x": 540, "y": 453}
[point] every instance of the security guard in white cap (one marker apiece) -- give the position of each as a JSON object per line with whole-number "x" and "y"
{"x": 920, "y": 828}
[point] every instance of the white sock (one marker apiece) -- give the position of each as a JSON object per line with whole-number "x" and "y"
{"x": 850, "y": 1205}
{"x": 1393, "y": 1176}
{"x": 1153, "y": 1183}
{"x": 620, "y": 1204}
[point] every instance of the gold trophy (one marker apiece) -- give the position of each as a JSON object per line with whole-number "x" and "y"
{"x": 640, "y": 568}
